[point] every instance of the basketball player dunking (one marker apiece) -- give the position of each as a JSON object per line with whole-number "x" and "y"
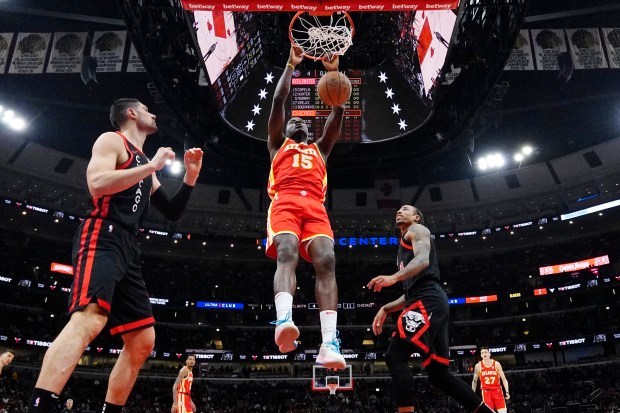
{"x": 490, "y": 372}
{"x": 181, "y": 390}
{"x": 108, "y": 286}
{"x": 297, "y": 222}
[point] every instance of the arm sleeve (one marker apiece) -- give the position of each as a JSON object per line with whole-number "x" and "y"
{"x": 172, "y": 208}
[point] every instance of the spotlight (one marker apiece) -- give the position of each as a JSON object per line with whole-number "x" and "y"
{"x": 519, "y": 157}
{"x": 482, "y": 164}
{"x": 17, "y": 124}
{"x": 8, "y": 115}
{"x": 527, "y": 150}
{"x": 175, "y": 168}
{"x": 495, "y": 160}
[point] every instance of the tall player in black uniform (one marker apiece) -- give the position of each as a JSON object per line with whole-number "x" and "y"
{"x": 108, "y": 286}
{"x": 422, "y": 326}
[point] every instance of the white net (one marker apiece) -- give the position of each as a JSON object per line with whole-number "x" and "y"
{"x": 322, "y": 36}
{"x": 332, "y": 382}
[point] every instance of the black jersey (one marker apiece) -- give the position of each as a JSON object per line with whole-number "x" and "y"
{"x": 405, "y": 255}
{"x": 127, "y": 208}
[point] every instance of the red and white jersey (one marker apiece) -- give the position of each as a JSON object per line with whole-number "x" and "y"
{"x": 298, "y": 167}
{"x": 489, "y": 377}
{"x": 185, "y": 387}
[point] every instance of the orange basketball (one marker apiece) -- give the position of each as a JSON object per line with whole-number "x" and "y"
{"x": 334, "y": 88}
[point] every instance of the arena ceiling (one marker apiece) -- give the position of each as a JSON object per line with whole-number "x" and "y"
{"x": 556, "y": 111}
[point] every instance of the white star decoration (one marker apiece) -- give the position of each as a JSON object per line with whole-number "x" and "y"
{"x": 256, "y": 110}
{"x": 250, "y": 125}
{"x": 382, "y": 77}
{"x": 402, "y": 124}
{"x": 389, "y": 93}
{"x": 263, "y": 93}
{"x": 395, "y": 108}
{"x": 269, "y": 77}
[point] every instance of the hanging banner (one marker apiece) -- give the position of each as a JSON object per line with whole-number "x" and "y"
{"x": 29, "y": 54}
{"x": 548, "y": 44}
{"x": 67, "y": 53}
{"x": 108, "y": 49}
{"x": 5, "y": 45}
{"x": 611, "y": 37}
{"x": 521, "y": 57}
{"x": 134, "y": 63}
{"x": 318, "y": 5}
{"x": 586, "y": 49}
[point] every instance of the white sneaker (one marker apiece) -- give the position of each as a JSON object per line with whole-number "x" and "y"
{"x": 286, "y": 336}
{"x": 330, "y": 357}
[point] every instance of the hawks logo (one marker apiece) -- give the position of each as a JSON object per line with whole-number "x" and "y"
{"x": 413, "y": 320}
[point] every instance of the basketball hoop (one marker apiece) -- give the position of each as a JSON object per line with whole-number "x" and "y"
{"x": 320, "y": 35}
{"x": 331, "y": 382}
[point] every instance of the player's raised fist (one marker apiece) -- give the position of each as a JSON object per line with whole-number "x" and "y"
{"x": 296, "y": 55}
{"x": 193, "y": 163}
{"x": 162, "y": 156}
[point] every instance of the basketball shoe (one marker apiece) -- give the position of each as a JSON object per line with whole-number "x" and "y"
{"x": 329, "y": 355}
{"x": 286, "y": 334}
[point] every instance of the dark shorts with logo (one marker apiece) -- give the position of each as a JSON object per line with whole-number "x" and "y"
{"x": 106, "y": 265}
{"x": 423, "y": 323}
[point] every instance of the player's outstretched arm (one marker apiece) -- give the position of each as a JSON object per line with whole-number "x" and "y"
{"x": 102, "y": 176}
{"x": 276, "y": 117}
{"x": 396, "y": 305}
{"x": 420, "y": 238}
{"x": 333, "y": 125}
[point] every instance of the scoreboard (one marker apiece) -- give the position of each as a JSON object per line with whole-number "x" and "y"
{"x": 306, "y": 104}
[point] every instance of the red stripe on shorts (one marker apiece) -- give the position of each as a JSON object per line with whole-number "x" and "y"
{"x": 89, "y": 264}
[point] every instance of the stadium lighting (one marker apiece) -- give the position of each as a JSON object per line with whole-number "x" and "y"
{"x": 498, "y": 160}
{"x": 519, "y": 157}
{"x": 8, "y": 115}
{"x": 527, "y": 150}
{"x": 491, "y": 161}
{"x": 17, "y": 124}
{"x": 175, "y": 167}
{"x": 10, "y": 119}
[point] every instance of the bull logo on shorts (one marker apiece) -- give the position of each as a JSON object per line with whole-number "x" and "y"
{"x": 413, "y": 320}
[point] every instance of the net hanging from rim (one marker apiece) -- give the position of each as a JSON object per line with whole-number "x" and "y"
{"x": 332, "y": 383}
{"x": 320, "y": 36}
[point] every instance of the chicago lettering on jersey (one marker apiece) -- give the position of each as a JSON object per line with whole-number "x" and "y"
{"x": 138, "y": 197}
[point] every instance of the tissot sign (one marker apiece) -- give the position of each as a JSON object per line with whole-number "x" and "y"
{"x": 324, "y": 6}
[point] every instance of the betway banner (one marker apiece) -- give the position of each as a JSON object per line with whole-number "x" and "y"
{"x": 316, "y": 6}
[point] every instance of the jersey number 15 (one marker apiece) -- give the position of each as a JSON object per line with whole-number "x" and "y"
{"x": 303, "y": 160}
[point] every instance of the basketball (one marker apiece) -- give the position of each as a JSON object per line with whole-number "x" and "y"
{"x": 334, "y": 88}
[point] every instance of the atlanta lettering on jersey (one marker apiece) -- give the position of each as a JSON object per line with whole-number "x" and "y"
{"x": 307, "y": 151}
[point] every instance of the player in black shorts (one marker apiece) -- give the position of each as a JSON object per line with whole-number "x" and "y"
{"x": 422, "y": 326}
{"x": 108, "y": 286}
